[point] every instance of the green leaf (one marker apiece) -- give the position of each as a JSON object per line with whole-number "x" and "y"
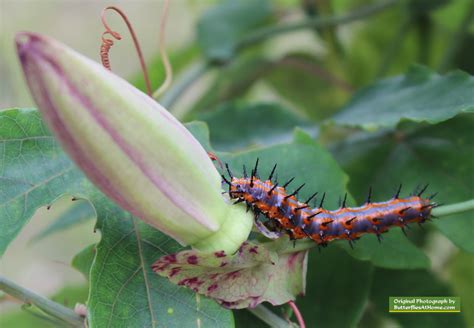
{"x": 221, "y": 27}
{"x": 78, "y": 212}
{"x": 412, "y": 283}
{"x": 394, "y": 252}
{"x": 301, "y": 137}
{"x": 124, "y": 289}
{"x": 253, "y": 275}
{"x": 34, "y": 171}
{"x": 418, "y": 155}
{"x": 200, "y": 131}
{"x": 238, "y": 125}
{"x": 451, "y": 15}
{"x": 306, "y": 82}
{"x": 328, "y": 302}
{"x": 458, "y": 228}
{"x": 419, "y": 96}
{"x": 461, "y": 271}
{"x": 82, "y": 261}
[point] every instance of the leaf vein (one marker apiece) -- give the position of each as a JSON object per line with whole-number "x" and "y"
{"x": 145, "y": 276}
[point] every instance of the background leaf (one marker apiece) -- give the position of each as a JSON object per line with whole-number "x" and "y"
{"x": 461, "y": 269}
{"x": 306, "y": 81}
{"x": 239, "y": 125}
{"x": 395, "y": 251}
{"x": 418, "y": 155}
{"x": 327, "y": 301}
{"x": 82, "y": 261}
{"x": 222, "y": 26}
{"x": 420, "y": 96}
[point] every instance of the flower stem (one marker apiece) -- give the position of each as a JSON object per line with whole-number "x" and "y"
{"x": 268, "y": 317}
{"x": 52, "y": 308}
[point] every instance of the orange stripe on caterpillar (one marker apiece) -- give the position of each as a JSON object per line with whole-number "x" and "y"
{"x": 300, "y": 220}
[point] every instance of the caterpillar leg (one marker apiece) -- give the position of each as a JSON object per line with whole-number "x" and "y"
{"x": 264, "y": 230}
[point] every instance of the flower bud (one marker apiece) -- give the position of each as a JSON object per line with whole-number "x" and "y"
{"x": 130, "y": 147}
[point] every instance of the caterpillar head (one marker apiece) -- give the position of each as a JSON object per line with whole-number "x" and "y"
{"x": 237, "y": 187}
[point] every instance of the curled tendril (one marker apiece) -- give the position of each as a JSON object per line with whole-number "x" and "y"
{"x": 105, "y": 47}
{"x": 107, "y": 43}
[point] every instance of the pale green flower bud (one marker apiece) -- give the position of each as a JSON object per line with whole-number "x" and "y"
{"x": 130, "y": 147}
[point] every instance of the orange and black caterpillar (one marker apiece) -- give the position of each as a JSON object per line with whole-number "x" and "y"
{"x": 300, "y": 220}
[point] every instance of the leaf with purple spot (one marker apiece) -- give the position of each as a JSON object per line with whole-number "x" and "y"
{"x": 253, "y": 275}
